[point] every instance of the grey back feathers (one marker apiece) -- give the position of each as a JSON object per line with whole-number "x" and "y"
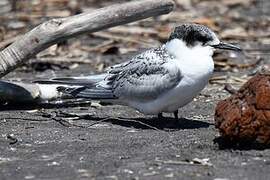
{"x": 192, "y": 33}
{"x": 146, "y": 76}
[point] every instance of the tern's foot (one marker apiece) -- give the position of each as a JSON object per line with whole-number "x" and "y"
{"x": 160, "y": 116}
{"x": 175, "y": 113}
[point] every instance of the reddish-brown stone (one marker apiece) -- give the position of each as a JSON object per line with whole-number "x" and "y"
{"x": 245, "y": 116}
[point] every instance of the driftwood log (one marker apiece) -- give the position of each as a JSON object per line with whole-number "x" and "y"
{"x": 56, "y": 30}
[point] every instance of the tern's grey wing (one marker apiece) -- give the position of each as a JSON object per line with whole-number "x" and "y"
{"x": 146, "y": 76}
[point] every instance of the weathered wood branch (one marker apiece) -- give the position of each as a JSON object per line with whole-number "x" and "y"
{"x": 56, "y": 30}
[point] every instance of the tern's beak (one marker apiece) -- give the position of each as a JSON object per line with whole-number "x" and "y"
{"x": 227, "y": 46}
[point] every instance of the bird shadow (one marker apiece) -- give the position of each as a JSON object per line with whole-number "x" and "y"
{"x": 226, "y": 144}
{"x": 166, "y": 123}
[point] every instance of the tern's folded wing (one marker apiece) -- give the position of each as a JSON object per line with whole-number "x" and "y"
{"x": 146, "y": 76}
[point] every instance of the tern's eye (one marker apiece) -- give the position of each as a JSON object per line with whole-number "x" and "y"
{"x": 203, "y": 39}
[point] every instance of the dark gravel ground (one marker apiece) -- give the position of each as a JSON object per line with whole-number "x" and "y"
{"x": 43, "y": 148}
{"x": 40, "y": 144}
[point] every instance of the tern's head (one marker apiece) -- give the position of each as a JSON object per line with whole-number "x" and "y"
{"x": 194, "y": 34}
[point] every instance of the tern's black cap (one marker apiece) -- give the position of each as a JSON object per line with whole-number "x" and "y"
{"x": 192, "y": 33}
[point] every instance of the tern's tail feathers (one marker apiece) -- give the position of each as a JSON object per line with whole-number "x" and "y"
{"x": 76, "y": 81}
{"x": 80, "y": 87}
{"x": 97, "y": 93}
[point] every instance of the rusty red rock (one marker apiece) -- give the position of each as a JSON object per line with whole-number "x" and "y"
{"x": 245, "y": 116}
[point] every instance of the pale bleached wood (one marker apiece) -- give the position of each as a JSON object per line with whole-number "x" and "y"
{"x": 56, "y": 30}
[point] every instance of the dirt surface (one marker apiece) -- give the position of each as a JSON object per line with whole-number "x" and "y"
{"x": 116, "y": 142}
